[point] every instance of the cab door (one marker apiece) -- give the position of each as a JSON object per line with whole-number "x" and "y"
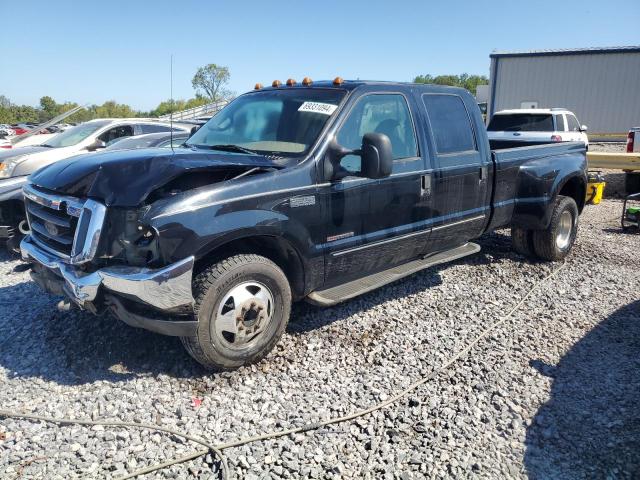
{"x": 461, "y": 196}
{"x": 375, "y": 224}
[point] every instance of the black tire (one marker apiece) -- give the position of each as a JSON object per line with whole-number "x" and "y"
{"x": 522, "y": 241}
{"x": 545, "y": 242}
{"x": 212, "y": 286}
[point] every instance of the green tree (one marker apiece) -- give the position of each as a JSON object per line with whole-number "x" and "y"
{"x": 211, "y": 80}
{"x": 49, "y": 108}
{"x": 470, "y": 82}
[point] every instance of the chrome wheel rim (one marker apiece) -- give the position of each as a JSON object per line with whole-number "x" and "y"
{"x": 243, "y": 314}
{"x": 565, "y": 228}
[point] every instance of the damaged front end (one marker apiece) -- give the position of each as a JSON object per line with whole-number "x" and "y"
{"x": 66, "y": 251}
{"x": 112, "y": 258}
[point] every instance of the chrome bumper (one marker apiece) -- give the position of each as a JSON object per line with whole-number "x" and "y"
{"x": 163, "y": 288}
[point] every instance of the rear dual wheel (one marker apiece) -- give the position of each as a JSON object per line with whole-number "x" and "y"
{"x": 555, "y": 242}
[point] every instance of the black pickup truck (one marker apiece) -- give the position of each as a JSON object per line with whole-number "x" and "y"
{"x": 319, "y": 191}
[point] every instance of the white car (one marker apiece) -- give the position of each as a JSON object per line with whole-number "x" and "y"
{"x": 532, "y": 126}
{"x": 17, "y": 163}
{"x": 6, "y": 130}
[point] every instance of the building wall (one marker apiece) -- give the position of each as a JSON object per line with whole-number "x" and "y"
{"x": 603, "y": 89}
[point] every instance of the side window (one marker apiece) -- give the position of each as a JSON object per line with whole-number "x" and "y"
{"x": 450, "y": 123}
{"x": 146, "y": 128}
{"x": 116, "y": 132}
{"x": 560, "y": 123}
{"x": 379, "y": 113}
{"x": 574, "y": 126}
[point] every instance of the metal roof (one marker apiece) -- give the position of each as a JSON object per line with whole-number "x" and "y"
{"x": 567, "y": 51}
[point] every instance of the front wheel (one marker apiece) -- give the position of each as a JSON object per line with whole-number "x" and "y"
{"x": 243, "y": 305}
{"x": 555, "y": 242}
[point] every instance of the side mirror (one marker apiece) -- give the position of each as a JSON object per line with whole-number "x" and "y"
{"x": 375, "y": 153}
{"x": 377, "y": 157}
{"x": 583, "y": 128}
{"x": 96, "y": 145}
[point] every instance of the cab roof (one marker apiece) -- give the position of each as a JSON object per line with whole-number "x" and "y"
{"x": 353, "y": 84}
{"x": 533, "y": 111}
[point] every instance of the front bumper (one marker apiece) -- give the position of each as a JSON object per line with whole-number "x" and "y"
{"x": 164, "y": 289}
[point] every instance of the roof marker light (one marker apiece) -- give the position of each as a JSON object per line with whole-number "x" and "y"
{"x": 306, "y": 81}
{"x": 338, "y": 81}
{"x": 258, "y": 86}
{"x": 276, "y": 83}
{"x": 291, "y": 82}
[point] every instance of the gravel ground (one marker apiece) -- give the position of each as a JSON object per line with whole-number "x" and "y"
{"x": 553, "y": 393}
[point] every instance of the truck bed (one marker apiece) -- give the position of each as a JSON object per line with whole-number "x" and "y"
{"x": 527, "y": 178}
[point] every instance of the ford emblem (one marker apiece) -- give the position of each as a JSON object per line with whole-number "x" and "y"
{"x": 51, "y": 228}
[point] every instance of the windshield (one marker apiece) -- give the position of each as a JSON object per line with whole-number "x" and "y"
{"x": 521, "y": 122}
{"x": 274, "y": 121}
{"x": 74, "y": 135}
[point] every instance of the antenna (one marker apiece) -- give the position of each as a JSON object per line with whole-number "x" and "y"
{"x": 171, "y": 104}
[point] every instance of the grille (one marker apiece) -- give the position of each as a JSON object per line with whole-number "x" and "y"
{"x": 54, "y": 228}
{"x": 62, "y": 225}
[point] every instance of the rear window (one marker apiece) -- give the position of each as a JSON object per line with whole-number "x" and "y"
{"x": 450, "y": 123}
{"x": 521, "y": 122}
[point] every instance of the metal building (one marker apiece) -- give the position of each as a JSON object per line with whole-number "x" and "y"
{"x": 600, "y": 85}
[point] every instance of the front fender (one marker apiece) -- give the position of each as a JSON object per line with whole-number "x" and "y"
{"x": 11, "y": 188}
{"x": 202, "y": 231}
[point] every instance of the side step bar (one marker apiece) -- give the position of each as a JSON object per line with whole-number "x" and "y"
{"x": 340, "y": 293}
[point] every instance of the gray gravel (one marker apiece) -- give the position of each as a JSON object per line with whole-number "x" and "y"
{"x": 553, "y": 393}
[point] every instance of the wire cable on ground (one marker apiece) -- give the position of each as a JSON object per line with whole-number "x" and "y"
{"x": 216, "y": 449}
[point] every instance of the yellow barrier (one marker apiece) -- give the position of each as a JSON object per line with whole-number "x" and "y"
{"x": 614, "y": 161}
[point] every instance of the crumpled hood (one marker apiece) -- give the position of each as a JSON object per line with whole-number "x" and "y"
{"x": 126, "y": 177}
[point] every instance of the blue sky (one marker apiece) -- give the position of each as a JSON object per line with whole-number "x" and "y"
{"x": 88, "y": 51}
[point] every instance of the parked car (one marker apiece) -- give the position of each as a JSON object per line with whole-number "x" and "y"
{"x": 534, "y": 126}
{"x": 149, "y": 140}
{"x": 6, "y": 131}
{"x": 19, "y": 129}
{"x": 320, "y": 191}
{"x": 18, "y": 162}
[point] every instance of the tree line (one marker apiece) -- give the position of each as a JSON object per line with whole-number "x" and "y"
{"x": 465, "y": 80}
{"x": 210, "y": 85}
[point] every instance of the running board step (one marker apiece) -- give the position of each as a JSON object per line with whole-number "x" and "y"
{"x": 343, "y": 292}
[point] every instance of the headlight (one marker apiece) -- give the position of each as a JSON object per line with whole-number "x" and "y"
{"x": 8, "y": 166}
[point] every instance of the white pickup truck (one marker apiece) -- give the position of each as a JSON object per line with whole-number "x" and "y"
{"x": 534, "y": 126}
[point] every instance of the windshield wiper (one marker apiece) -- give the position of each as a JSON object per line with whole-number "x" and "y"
{"x": 228, "y": 148}
{"x": 47, "y": 145}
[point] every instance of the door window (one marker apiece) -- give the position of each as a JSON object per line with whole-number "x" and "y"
{"x": 378, "y": 113}
{"x": 574, "y": 126}
{"x": 147, "y": 128}
{"x": 450, "y": 123}
{"x": 116, "y": 132}
{"x": 560, "y": 127}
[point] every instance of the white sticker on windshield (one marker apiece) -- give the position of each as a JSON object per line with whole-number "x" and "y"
{"x": 323, "y": 108}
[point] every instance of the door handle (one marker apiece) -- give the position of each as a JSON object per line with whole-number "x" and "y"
{"x": 425, "y": 185}
{"x": 483, "y": 173}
